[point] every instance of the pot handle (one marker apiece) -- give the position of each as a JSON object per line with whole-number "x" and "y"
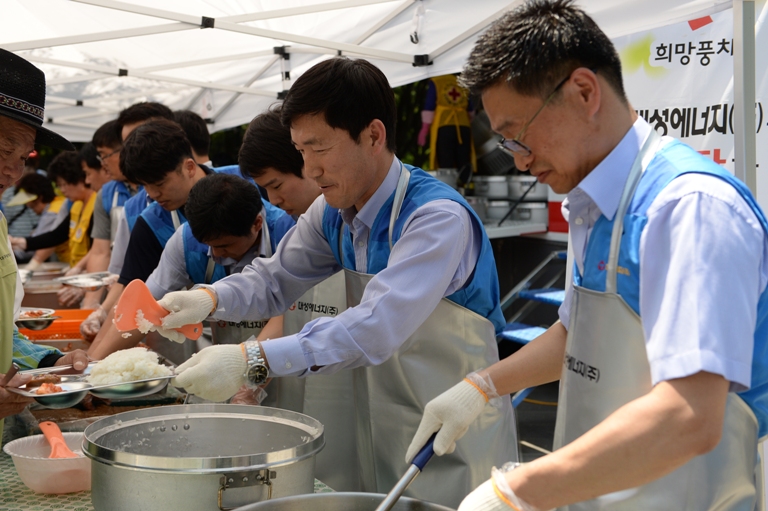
{"x": 242, "y": 480}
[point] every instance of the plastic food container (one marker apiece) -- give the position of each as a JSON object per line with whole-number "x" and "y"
{"x": 42, "y": 474}
{"x": 480, "y": 205}
{"x": 519, "y": 184}
{"x": 491, "y": 186}
{"x": 535, "y": 212}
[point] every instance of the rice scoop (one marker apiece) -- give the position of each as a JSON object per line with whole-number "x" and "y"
{"x": 126, "y": 366}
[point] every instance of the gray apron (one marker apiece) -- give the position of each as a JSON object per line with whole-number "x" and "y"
{"x": 606, "y": 366}
{"x": 230, "y": 332}
{"x": 114, "y": 217}
{"x": 378, "y": 409}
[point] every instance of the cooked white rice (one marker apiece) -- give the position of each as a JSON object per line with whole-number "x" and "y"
{"x": 127, "y": 365}
{"x": 144, "y": 325}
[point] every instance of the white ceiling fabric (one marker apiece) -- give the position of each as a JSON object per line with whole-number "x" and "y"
{"x": 230, "y": 73}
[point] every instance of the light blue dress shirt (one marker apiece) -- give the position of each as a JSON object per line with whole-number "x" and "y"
{"x": 703, "y": 260}
{"x": 434, "y": 257}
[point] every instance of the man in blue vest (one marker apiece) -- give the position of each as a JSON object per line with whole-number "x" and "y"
{"x": 420, "y": 290}
{"x": 158, "y": 156}
{"x": 661, "y": 344}
{"x": 228, "y": 225}
{"x": 110, "y": 139}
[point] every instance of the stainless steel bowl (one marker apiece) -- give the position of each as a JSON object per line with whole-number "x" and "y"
{"x": 73, "y": 393}
{"x": 132, "y": 389}
{"x": 340, "y": 502}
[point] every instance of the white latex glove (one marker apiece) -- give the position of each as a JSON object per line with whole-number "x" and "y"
{"x": 187, "y": 307}
{"x": 215, "y": 374}
{"x": 70, "y": 296}
{"x": 451, "y": 412}
{"x": 18, "y": 243}
{"x": 92, "y": 324}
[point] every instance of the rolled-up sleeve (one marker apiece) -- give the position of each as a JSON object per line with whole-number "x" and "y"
{"x": 171, "y": 272}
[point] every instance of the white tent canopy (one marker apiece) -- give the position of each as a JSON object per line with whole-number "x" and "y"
{"x": 100, "y": 56}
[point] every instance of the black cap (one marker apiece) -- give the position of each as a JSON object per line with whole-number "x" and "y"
{"x": 22, "y": 97}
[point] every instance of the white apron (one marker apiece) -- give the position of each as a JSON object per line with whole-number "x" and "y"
{"x": 370, "y": 414}
{"x": 606, "y": 366}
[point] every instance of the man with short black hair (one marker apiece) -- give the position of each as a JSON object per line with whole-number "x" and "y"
{"x": 158, "y": 156}
{"x": 228, "y": 225}
{"x": 197, "y": 133}
{"x": 418, "y": 305}
{"x": 269, "y": 157}
{"x": 661, "y": 345}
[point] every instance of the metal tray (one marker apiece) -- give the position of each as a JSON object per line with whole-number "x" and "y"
{"x": 87, "y": 281}
{"x": 76, "y": 387}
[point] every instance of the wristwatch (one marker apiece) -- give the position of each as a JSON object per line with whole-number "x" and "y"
{"x": 256, "y": 371}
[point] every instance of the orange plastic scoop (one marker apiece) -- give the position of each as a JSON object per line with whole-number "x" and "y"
{"x": 137, "y": 297}
{"x": 59, "y": 448}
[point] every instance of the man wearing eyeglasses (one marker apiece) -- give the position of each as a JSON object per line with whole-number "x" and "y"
{"x": 662, "y": 344}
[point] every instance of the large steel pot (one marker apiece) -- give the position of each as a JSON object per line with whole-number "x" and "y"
{"x": 341, "y": 502}
{"x": 519, "y": 184}
{"x": 200, "y": 457}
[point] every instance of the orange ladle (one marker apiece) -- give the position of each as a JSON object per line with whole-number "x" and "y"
{"x": 137, "y": 297}
{"x": 59, "y": 448}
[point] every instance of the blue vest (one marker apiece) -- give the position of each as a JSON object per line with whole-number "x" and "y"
{"x": 196, "y": 253}
{"x": 161, "y": 222}
{"x": 134, "y": 206}
{"x": 234, "y": 170}
{"x": 673, "y": 160}
{"x": 480, "y": 293}
{"x": 108, "y": 192}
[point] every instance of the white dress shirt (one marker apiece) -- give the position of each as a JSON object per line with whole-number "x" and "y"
{"x": 703, "y": 262}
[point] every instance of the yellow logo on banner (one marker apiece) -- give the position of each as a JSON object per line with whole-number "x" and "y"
{"x": 637, "y": 55}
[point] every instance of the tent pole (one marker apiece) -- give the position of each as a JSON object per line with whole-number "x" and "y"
{"x": 255, "y": 77}
{"x": 472, "y": 30}
{"x": 386, "y": 19}
{"x": 148, "y": 76}
{"x": 745, "y": 148}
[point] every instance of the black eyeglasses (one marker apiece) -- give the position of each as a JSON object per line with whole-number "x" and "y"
{"x": 514, "y": 146}
{"x": 102, "y": 158}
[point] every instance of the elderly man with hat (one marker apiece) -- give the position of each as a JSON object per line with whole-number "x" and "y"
{"x": 22, "y": 101}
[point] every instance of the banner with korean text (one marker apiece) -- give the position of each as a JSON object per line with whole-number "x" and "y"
{"x": 680, "y": 79}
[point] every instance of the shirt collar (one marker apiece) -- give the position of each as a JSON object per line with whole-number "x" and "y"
{"x": 611, "y": 174}
{"x": 367, "y": 215}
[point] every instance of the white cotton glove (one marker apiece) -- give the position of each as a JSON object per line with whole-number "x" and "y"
{"x": 173, "y": 335}
{"x": 495, "y": 495}
{"x": 92, "y": 324}
{"x": 451, "y": 412}
{"x": 187, "y": 307}
{"x": 32, "y": 265}
{"x": 215, "y": 374}
{"x": 483, "y": 498}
